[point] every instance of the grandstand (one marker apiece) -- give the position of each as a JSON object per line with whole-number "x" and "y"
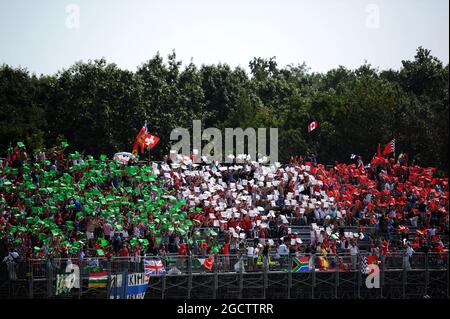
{"x": 253, "y": 223}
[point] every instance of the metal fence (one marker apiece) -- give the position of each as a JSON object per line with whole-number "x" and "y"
{"x": 240, "y": 276}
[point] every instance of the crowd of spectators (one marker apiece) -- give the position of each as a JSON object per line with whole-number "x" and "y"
{"x": 71, "y": 205}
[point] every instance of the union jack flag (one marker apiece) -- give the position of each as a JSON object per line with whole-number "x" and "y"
{"x": 154, "y": 268}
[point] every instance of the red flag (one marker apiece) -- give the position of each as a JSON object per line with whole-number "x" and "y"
{"x": 377, "y": 159}
{"x": 312, "y": 126}
{"x": 143, "y": 140}
{"x": 389, "y": 148}
{"x": 209, "y": 262}
{"x": 139, "y": 138}
{"x": 372, "y": 260}
{"x": 150, "y": 140}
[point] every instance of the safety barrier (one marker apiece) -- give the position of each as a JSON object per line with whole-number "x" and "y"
{"x": 292, "y": 276}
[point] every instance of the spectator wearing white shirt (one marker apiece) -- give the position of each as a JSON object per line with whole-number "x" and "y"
{"x": 107, "y": 230}
{"x": 407, "y": 256}
{"x": 353, "y": 247}
{"x": 283, "y": 250}
{"x": 317, "y": 215}
{"x": 313, "y": 237}
{"x": 322, "y": 213}
{"x": 320, "y": 237}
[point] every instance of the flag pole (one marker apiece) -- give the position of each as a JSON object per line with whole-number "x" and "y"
{"x": 145, "y": 118}
{"x": 145, "y": 114}
{"x": 395, "y": 144}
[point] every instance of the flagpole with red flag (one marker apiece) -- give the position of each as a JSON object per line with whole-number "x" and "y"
{"x": 145, "y": 124}
{"x": 311, "y": 127}
{"x": 144, "y": 140}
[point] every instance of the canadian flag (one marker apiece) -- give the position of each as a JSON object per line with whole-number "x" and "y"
{"x": 312, "y": 126}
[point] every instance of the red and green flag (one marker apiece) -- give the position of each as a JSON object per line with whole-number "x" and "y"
{"x": 208, "y": 263}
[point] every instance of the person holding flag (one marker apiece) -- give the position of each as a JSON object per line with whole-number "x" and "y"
{"x": 402, "y": 158}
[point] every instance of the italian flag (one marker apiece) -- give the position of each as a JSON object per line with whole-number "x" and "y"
{"x": 205, "y": 262}
{"x": 98, "y": 280}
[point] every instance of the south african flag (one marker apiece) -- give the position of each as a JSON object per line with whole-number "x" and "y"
{"x": 300, "y": 264}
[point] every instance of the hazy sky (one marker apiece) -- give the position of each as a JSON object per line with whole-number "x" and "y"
{"x": 48, "y": 35}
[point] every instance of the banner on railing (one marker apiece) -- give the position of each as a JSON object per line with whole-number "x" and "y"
{"x": 64, "y": 283}
{"x": 136, "y": 286}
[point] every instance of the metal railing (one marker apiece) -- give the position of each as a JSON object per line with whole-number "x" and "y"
{"x": 37, "y": 278}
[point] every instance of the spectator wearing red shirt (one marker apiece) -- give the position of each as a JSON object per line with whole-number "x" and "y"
{"x": 233, "y": 223}
{"x": 246, "y": 224}
{"x": 182, "y": 260}
{"x": 225, "y": 251}
{"x": 333, "y": 247}
{"x": 203, "y": 247}
{"x": 182, "y": 250}
{"x": 263, "y": 233}
{"x": 123, "y": 252}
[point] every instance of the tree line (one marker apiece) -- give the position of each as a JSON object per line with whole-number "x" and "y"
{"x": 99, "y": 108}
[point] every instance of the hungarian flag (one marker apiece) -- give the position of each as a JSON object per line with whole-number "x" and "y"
{"x": 98, "y": 280}
{"x": 143, "y": 140}
{"x": 389, "y": 147}
{"x": 312, "y": 126}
